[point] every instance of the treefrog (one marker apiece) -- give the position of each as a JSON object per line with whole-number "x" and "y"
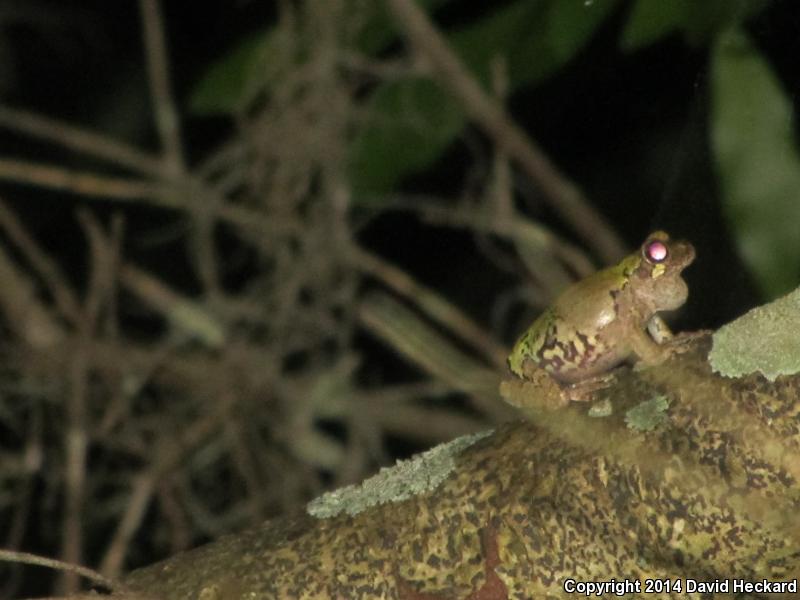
{"x": 604, "y": 320}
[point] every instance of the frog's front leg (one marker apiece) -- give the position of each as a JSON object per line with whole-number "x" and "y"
{"x": 659, "y": 330}
{"x": 672, "y": 343}
{"x": 653, "y": 352}
{"x": 647, "y": 350}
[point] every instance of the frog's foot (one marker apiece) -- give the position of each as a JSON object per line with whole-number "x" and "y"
{"x": 584, "y": 391}
{"x": 685, "y": 341}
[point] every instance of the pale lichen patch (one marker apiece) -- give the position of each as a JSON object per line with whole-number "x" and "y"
{"x": 648, "y": 415}
{"x": 764, "y": 339}
{"x": 419, "y": 474}
{"x": 603, "y": 408}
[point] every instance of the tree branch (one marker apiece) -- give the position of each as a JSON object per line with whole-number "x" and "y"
{"x": 513, "y": 513}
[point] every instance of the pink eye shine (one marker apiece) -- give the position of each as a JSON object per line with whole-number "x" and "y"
{"x": 657, "y": 251}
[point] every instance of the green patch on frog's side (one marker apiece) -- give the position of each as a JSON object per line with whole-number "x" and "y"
{"x": 648, "y": 415}
{"x": 408, "y": 478}
{"x": 765, "y": 340}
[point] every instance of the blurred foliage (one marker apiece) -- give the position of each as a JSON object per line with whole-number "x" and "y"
{"x": 222, "y": 89}
{"x": 757, "y": 157}
{"x": 652, "y": 20}
{"x": 410, "y": 124}
{"x": 410, "y": 121}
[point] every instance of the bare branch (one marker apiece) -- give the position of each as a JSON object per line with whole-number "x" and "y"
{"x": 166, "y": 456}
{"x": 80, "y": 182}
{"x": 447, "y": 314}
{"x": 76, "y": 446}
{"x": 166, "y": 113}
{"x": 25, "y": 314}
{"x": 79, "y": 140}
{"x": 46, "y": 267}
{"x": 33, "y": 559}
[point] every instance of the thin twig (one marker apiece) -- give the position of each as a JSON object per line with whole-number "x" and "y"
{"x": 87, "y": 184}
{"x": 559, "y": 192}
{"x": 138, "y": 501}
{"x": 409, "y": 335}
{"x": 76, "y": 445}
{"x": 457, "y": 322}
{"x": 104, "y": 268}
{"x": 110, "y": 150}
{"x": 33, "y": 559}
{"x": 79, "y": 140}
{"x": 166, "y": 113}
{"x": 45, "y": 267}
{"x": 520, "y": 229}
{"x": 100, "y": 290}
{"x": 161, "y": 194}
{"x": 182, "y": 312}
{"x": 168, "y": 123}
{"x": 501, "y": 191}
{"x": 26, "y": 316}
{"x": 166, "y": 456}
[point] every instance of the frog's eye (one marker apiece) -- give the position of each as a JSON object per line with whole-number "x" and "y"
{"x": 656, "y": 251}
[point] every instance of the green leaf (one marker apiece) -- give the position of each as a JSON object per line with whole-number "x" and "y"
{"x": 535, "y": 37}
{"x": 757, "y": 161}
{"x": 572, "y": 23}
{"x": 699, "y": 21}
{"x": 411, "y": 123}
{"x": 379, "y": 30}
{"x": 221, "y": 90}
{"x": 706, "y": 20}
{"x": 500, "y": 35}
{"x": 414, "y": 122}
{"x": 651, "y": 20}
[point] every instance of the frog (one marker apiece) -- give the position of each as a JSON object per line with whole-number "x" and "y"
{"x": 598, "y": 323}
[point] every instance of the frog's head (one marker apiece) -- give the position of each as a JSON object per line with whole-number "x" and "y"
{"x": 657, "y": 279}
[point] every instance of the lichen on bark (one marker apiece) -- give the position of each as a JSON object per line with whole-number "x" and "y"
{"x": 764, "y": 340}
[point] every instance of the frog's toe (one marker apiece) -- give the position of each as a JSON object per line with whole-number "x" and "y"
{"x": 584, "y": 391}
{"x": 686, "y": 340}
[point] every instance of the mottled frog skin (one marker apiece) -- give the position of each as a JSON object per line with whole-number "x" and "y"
{"x": 608, "y": 318}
